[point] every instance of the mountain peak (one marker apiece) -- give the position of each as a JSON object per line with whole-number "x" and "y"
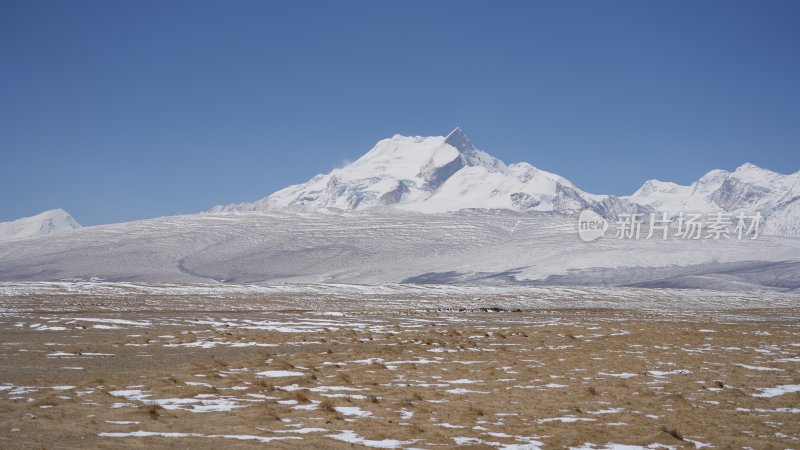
{"x": 751, "y": 168}
{"x": 471, "y": 155}
{"x": 747, "y": 165}
{"x": 456, "y": 130}
{"x": 50, "y": 213}
{"x": 459, "y": 140}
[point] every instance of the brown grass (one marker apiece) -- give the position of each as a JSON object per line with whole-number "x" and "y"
{"x": 672, "y": 432}
{"x": 154, "y": 410}
{"x": 328, "y": 405}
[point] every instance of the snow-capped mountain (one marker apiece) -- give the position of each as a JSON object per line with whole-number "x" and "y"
{"x": 447, "y": 173}
{"x": 749, "y": 188}
{"x": 520, "y": 229}
{"x": 48, "y": 222}
{"x": 436, "y": 174}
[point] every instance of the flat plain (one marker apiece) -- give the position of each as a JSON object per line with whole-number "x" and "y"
{"x": 104, "y": 365}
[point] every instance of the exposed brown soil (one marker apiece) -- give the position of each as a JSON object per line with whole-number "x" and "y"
{"x": 428, "y": 378}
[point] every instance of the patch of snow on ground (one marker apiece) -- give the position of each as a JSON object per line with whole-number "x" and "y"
{"x": 617, "y": 375}
{"x": 279, "y": 373}
{"x": 778, "y": 390}
{"x": 240, "y": 437}
{"x": 567, "y": 419}
{"x": 761, "y": 368}
{"x": 352, "y": 411}
{"x": 662, "y": 374}
{"x": 351, "y": 437}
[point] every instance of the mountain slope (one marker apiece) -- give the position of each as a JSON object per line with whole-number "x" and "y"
{"x": 48, "y": 222}
{"x": 784, "y": 217}
{"x": 393, "y": 247}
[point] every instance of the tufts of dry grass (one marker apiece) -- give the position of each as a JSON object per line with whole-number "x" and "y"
{"x": 265, "y": 384}
{"x": 672, "y": 432}
{"x": 328, "y": 405}
{"x": 300, "y": 397}
{"x": 220, "y": 363}
{"x": 272, "y": 412}
{"x": 477, "y": 410}
{"x": 154, "y": 410}
{"x": 283, "y": 365}
{"x": 378, "y": 364}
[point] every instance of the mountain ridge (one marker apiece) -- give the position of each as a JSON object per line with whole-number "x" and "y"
{"x": 448, "y": 173}
{"x": 431, "y": 175}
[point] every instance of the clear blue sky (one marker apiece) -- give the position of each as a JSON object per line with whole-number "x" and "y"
{"x": 123, "y": 110}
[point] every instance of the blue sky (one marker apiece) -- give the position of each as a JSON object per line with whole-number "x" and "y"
{"x": 125, "y": 110}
